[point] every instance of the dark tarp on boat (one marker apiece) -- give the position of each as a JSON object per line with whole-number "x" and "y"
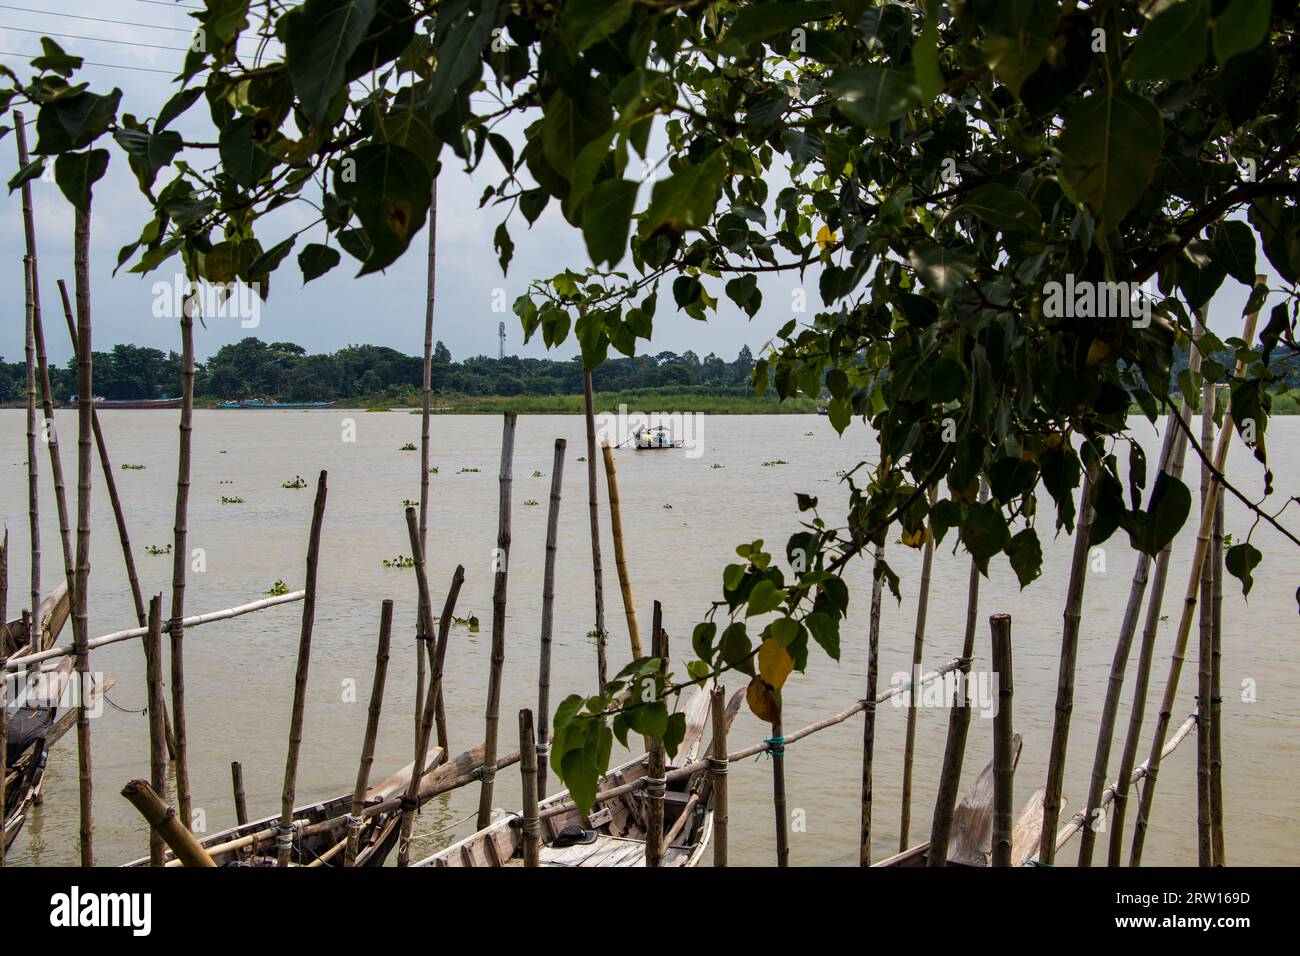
{"x": 27, "y": 726}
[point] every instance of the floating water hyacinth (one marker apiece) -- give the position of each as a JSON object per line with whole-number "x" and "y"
{"x": 298, "y": 482}
{"x": 126, "y": 467}
{"x": 278, "y": 588}
{"x": 409, "y": 446}
{"x": 155, "y": 549}
{"x": 401, "y": 561}
{"x": 231, "y": 501}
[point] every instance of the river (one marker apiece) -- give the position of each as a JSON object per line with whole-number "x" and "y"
{"x": 683, "y": 517}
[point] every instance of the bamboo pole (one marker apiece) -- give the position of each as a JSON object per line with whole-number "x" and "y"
{"x": 954, "y": 751}
{"x": 778, "y": 793}
{"x": 1204, "y": 691}
{"x": 4, "y": 578}
{"x": 498, "y": 622}
{"x": 593, "y": 511}
{"x": 134, "y": 633}
{"x": 166, "y": 822}
{"x": 424, "y": 733}
{"x": 1004, "y": 758}
{"x": 1146, "y": 653}
{"x": 918, "y": 645}
{"x": 1216, "y": 692}
{"x": 157, "y": 736}
{"x": 284, "y": 845}
{"x": 421, "y": 651}
{"x": 655, "y": 782}
{"x": 237, "y": 785}
{"x": 50, "y": 431}
{"x": 620, "y": 555}
{"x": 1119, "y": 664}
{"x": 718, "y": 774}
{"x": 80, "y": 613}
{"x": 528, "y": 764}
{"x": 119, "y": 515}
{"x": 1065, "y": 675}
{"x": 869, "y": 707}
{"x": 4, "y": 754}
{"x": 372, "y": 732}
{"x": 33, "y": 477}
{"x": 180, "y": 559}
{"x": 1147, "y": 794}
{"x": 548, "y": 617}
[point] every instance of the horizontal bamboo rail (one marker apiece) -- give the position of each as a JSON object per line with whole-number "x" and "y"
{"x": 690, "y": 769}
{"x": 134, "y": 633}
{"x": 1075, "y": 823}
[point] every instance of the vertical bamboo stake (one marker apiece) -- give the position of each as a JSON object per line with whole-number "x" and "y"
{"x": 548, "y": 617}
{"x": 498, "y": 622}
{"x": 777, "y": 744}
{"x": 119, "y": 516}
{"x": 1204, "y": 719}
{"x": 81, "y": 624}
{"x": 620, "y": 556}
{"x": 1004, "y": 759}
{"x": 4, "y": 750}
{"x": 1146, "y": 652}
{"x": 33, "y": 480}
{"x": 655, "y": 783}
{"x": 1148, "y": 790}
{"x": 157, "y": 736}
{"x": 180, "y": 559}
{"x": 718, "y": 774}
{"x": 421, "y": 651}
{"x": 4, "y": 578}
{"x": 1216, "y": 692}
{"x": 869, "y": 706}
{"x": 914, "y": 677}
{"x": 1115, "y": 683}
{"x": 372, "y": 732}
{"x": 954, "y": 751}
{"x": 284, "y": 843}
{"x": 528, "y": 764}
{"x": 1065, "y": 676}
{"x": 593, "y": 511}
{"x": 237, "y": 785}
{"x": 50, "y": 432}
{"x": 423, "y": 733}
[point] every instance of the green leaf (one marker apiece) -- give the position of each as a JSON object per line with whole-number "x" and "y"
{"x": 942, "y": 269}
{"x": 72, "y": 122}
{"x": 1234, "y": 250}
{"x": 29, "y": 172}
{"x": 765, "y": 598}
{"x": 388, "y": 188}
{"x": 55, "y": 60}
{"x": 984, "y": 533}
{"x": 873, "y": 96}
{"x": 77, "y": 172}
{"x": 607, "y": 220}
{"x": 1241, "y": 561}
{"x": 925, "y": 55}
{"x": 175, "y": 106}
{"x": 459, "y": 60}
{"x": 148, "y": 152}
{"x": 825, "y": 631}
{"x": 315, "y": 260}
{"x": 1026, "y": 556}
{"x": 1172, "y": 45}
{"x": 568, "y": 125}
{"x": 686, "y": 199}
{"x": 504, "y": 245}
{"x": 587, "y": 22}
{"x": 1003, "y": 208}
{"x": 1165, "y": 514}
{"x": 319, "y": 37}
{"x": 1108, "y": 152}
{"x": 762, "y": 20}
{"x": 1241, "y": 27}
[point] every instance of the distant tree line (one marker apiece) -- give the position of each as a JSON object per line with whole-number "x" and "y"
{"x": 286, "y": 372}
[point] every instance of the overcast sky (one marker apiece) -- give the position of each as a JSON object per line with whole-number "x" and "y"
{"x": 387, "y": 309}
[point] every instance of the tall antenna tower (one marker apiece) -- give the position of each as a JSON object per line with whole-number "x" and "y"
{"x": 501, "y": 334}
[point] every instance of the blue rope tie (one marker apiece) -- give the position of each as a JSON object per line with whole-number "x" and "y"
{"x": 776, "y": 747}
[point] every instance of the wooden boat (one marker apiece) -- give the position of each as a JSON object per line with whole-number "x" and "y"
{"x": 648, "y": 439}
{"x": 101, "y": 403}
{"x": 253, "y": 843}
{"x": 36, "y": 718}
{"x": 614, "y": 833}
{"x": 257, "y": 403}
{"x": 971, "y": 842}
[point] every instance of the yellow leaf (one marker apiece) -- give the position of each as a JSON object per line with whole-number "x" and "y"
{"x": 914, "y": 539}
{"x": 774, "y": 663}
{"x": 762, "y": 701}
{"x": 1097, "y": 351}
{"x": 825, "y": 238}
